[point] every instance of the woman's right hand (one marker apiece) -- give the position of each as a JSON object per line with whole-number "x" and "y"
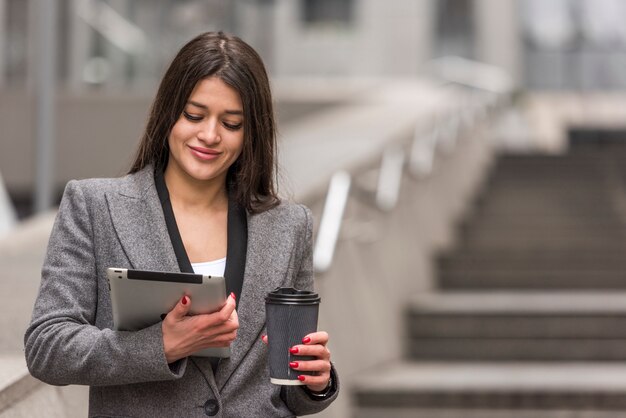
{"x": 185, "y": 334}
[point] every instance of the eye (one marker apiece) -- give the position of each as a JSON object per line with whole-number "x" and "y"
{"x": 193, "y": 118}
{"x": 232, "y": 126}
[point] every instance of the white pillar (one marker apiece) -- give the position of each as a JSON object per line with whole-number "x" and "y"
{"x": 79, "y": 40}
{"x": 3, "y": 43}
{"x": 498, "y": 35}
{"x": 45, "y": 77}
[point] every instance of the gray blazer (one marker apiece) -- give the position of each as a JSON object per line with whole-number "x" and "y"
{"x": 105, "y": 223}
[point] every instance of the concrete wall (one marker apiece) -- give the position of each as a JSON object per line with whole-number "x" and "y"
{"x": 384, "y": 38}
{"x": 95, "y": 136}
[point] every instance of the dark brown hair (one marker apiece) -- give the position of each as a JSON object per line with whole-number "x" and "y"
{"x": 250, "y": 180}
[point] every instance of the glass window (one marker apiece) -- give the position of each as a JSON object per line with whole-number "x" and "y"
{"x": 325, "y": 12}
{"x": 455, "y": 28}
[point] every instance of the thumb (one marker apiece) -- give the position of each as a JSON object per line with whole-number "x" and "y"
{"x": 182, "y": 308}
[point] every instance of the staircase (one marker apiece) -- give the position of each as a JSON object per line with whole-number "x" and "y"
{"x": 530, "y": 316}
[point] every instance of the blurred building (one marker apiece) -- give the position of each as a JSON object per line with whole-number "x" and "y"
{"x": 111, "y": 54}
{"x": 345, "y": 72}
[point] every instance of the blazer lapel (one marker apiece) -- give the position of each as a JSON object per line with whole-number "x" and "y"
{"x": 138, "y": 220}
{"x": 266, "y": 268}
{"x": 237, "y": 248}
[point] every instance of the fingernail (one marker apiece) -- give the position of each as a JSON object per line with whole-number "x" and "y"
{"x": 184, "y": 300}
{"x": 293, "y": 364}
{"x": 306, "y": 340}
{"x": 232, "y": 294}
{"x": 301, "y": 378}
{"x": 293, "y": 350}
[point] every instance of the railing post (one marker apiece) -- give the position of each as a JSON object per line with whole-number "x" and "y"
{"x": 8, "y": 218}
{"x": 390, "y": 178}
{"x": 449, "y": 130}
{"x": 422, "y": 154}
{"x": 330, "y": 223}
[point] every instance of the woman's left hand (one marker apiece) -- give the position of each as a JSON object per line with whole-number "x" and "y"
{"x": 314, "y": 345}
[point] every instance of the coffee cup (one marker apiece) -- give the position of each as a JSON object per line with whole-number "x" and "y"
{"x": 291, "y": 315}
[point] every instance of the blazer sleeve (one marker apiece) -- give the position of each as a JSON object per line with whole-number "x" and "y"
{"x": 62, "y": 344}
{"x": 299, "y": 401}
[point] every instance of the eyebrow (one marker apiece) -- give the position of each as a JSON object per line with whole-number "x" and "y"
{"x": 229, "y": 112}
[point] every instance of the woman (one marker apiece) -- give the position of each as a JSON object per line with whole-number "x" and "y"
{"x": 199, "y": 197}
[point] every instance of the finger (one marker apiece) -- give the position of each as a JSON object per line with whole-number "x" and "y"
{"x": 234, "y": 317}
{"x": 181, "y": 309}
{"x": 320, "y": 337}
{"x": 264, "y": 339}
{"x": 315, "y": 383}
{"x": 218, "y": 317}
{"x": 316, "y": 350}
{"x": 319, "y": 366}
{"x": 228, "y": 308}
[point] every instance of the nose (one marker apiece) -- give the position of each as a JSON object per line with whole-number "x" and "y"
{"x": 208, "y": 132}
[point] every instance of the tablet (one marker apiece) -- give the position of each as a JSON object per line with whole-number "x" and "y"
{"x": 141, "y": 298}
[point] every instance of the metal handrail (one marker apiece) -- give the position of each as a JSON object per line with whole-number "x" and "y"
{"x": 420, "y": 163}
{"x": 330, "y": 224}
{"x": 8, "y": 217}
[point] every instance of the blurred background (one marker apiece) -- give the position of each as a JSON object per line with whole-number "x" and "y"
{"x": 464, "y": 160}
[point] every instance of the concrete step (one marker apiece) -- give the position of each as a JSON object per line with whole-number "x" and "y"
{"x": 529, "y": 279}
{"x": 543, "y": 189}
{"x": 549, "y": 243}
{"x": 561, "y": 326}
{"x": 557, "y": 222}
{"x": 588, "y": 263}
{"x": 525, "y": 206}
{"x": 576, "y": 159}
{"x": 531, "y": 232}
{"x": 562, "y": 166}
{"x": 408, "y": 412}
{"x": 597, "y": 138}
{"x": 537, "y": 389}
{"x": 548, "y": 160}
{"x": 543, "y": 239}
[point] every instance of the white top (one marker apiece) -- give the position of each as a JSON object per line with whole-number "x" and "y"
{"x": 210, "y": 268}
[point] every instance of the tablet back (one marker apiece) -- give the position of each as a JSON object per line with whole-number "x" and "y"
{"x": 142, "y": 298}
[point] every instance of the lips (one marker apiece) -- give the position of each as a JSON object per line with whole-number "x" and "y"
{"x": 204, "y": 153}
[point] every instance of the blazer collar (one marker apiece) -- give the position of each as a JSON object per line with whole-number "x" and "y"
{"x": 138, "y": 220}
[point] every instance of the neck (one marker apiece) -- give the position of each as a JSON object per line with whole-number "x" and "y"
{"x": 187, "y": 192}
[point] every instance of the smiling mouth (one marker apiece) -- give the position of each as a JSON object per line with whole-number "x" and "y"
{"x": 204, "y": 151}
{"x": 204, "y": 154}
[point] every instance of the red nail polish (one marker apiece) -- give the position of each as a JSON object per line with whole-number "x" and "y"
{"x": 184, "y": 300}
{"x": 293, "y": 364}
{"x": 301, "y": 378}
{"x": 306, "y": 340}
{"x": 233, "y": 295}
{"x": 293, "y": 350}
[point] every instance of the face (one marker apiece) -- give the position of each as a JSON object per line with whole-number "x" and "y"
{"x": 208, "y": 136}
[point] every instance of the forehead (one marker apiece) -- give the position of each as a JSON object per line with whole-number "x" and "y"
{"x": 214, "y": 92}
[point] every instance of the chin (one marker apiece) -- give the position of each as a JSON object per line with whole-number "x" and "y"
{"x": 203, "y": 175}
